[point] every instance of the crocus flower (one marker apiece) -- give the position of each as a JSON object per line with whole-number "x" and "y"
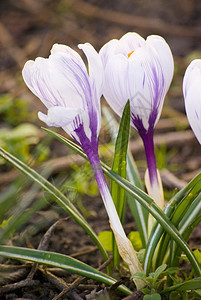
{"x": 141, "y": 71}
{"x": 192, "y": 96}
{"x": 72, "y": 97}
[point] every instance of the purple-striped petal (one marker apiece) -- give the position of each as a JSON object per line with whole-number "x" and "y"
{"x": 137, "y": 70}
{"x": 58, "y": 116}
{"x": 62, "y": 80}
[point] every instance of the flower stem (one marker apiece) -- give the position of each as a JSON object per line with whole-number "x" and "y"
{"x": 125, "y": 247}
{"x": 152, "y": 177}
{"x": 148, "y": 140}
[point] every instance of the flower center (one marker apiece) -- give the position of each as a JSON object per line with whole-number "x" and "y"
{"x": 129, "y": 54}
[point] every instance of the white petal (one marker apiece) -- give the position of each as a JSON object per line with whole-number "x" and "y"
{"x": 130, "y": 42}
{"x": 31, "y": 74}
{"x": 139, "y": 79}
{"x": 96, "y": 73}
{"x": 127, "y": 44}
{"x": 108, "y": 51}
{"x": 165, "y": 57}
{"x": 59, "y": 49}
{"x": 56, "y": 81}
{"x": 146, "y": 85}
{"x": 58, "y": 116}
{"x": 192, "y": 96}
{"x": 192, "y": 75}
{"x": 116, "y": 84}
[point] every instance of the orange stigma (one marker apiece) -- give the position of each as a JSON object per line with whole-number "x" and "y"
{"x": 129, "y": 54}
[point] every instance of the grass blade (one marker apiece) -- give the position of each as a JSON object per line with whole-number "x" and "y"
{"x": 119, "y": 167}
{"x": 158, "y": 230}
{"x": 58, "y": 196}
{"x": 139, "y": 213}
{"x": 59, "y": 260}
{"x": 192, "y": 284}
{"x": 144, "y": 200}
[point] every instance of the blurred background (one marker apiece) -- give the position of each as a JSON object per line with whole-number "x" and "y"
{"x": 29, "y": 28}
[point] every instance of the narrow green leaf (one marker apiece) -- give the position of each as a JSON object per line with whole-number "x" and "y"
{"x": 61, "y": 261}
{"x": 159, "y": 270}
{"x": 144, "y": 200}
{"x": 188, "y": 217}
{"x": 58, "y": 196}
{"x": 186, "y": 230}
{"x": 139, "y": 213}
{"x": 119, "y": 167}
{"x": 154, "y": 296}
{"x": 158, "y": 230}
{"x": 192, "y": 284}
{"x": 119, "y": 163}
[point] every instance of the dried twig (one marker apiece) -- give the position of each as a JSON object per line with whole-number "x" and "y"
{"x": 83, "y": 252}
{"x": 79, "y": 280}
{"x": 43, "y": 245}
{"x": 23, "y": 283}
{"x": 7, "y": 277}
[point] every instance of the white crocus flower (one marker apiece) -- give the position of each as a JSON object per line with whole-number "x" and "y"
{"x": 72, "y": 97}
{"x": 141, "y": 71}
{"x": 192, "y": 96}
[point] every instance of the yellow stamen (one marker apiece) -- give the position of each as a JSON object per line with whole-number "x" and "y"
{"x": 129, "y": 54}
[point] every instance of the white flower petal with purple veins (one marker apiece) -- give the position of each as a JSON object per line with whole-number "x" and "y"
{"x": 192, "y": 96}
{"x": 165, "y": 57}
{"x": 58, "y": 116}
{"x": 126, "y": 45}
{"x": 108, "y": 51}
{"x": 96, "y": 78}
{"x": 140, "y": 71}
{"x": 62, "y": 80}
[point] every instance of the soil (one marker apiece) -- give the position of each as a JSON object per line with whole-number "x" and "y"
{"x": 29, "y": 29}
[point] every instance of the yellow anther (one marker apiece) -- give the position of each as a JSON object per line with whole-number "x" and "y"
{"x": 129, "y": 54}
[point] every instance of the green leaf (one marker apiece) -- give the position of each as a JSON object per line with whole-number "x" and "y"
{"x": 139, "y": 213}
{"x": 106, "y": 239}
{"x": 197, "y": 294}
{"x": 158, "y": 271}
{"x": 197, "y": 254}
{"x": 144, "y": 200}
{"x": 134, "y": 237}
{"x": 158, "y": 230}
{"x": 154, "y": 296}
{"x": 58, "y": 196}
{"x": 119, "y": 167}
{"x": 119, "y": 163}
{"x": 61, "y": 261}
{"x": 185, "y": 286}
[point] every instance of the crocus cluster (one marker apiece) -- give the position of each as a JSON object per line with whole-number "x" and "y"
{"x": 72, "y": 97}
{"x": 131, "y": 69}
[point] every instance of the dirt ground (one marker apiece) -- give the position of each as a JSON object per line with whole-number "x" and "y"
{"x": 29, "y": 29}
